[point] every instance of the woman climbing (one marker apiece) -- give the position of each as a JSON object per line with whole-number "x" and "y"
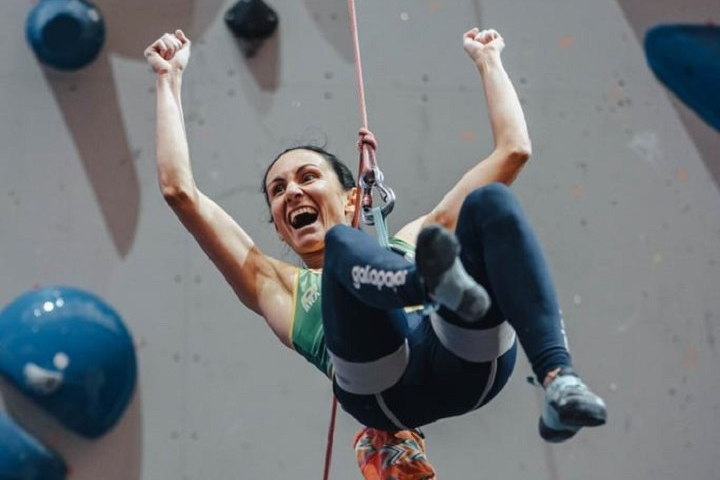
{"x": 352, "y": 310}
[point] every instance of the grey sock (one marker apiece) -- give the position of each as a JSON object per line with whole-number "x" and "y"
{"x": 458, "y": 291}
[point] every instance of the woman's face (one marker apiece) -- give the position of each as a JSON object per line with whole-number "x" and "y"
{"x": 306, "y": 200}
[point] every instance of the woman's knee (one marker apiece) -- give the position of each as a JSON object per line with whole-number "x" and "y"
{"x": 491, "y": 200}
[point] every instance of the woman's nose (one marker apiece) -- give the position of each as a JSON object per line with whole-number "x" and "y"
{"x": 293, "y": 190}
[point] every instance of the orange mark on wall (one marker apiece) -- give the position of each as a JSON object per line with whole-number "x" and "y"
{"x": 681, "y": 174}
{"x": 567, "y": 41}
{"x": 468, "y": 135}
{"x": 576, "y": 191}
{"x": 691, "y": 357}
{"x": 435, "y": 6}
{"x": 615, "y": 93}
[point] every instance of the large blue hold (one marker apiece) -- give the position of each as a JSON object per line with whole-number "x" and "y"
{"x": 71, "y": 354}
{"x": 24, "y": 458}
{"x": 686, "y": 58}
{"x": 65, "y": 34}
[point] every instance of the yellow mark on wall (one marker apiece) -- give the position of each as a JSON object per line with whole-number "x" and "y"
{"x": 658, "y": 259}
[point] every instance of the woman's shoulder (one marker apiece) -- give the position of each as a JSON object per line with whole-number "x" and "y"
{"x": 285, "y": 272}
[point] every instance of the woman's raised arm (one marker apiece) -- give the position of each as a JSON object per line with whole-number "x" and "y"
{"x": 510, "y": 135}
{"x": 263, "y": 284}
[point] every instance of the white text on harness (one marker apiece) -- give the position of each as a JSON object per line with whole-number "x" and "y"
{"x": 379, "y": 278}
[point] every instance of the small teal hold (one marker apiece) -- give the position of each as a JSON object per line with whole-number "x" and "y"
{"x": 71, "y": 354}
{"x": 65, "y": 34}
{"x": 24, "y": 458}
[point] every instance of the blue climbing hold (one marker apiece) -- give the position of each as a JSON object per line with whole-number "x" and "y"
{"x": 71, "y": 354}
{"x": 686, "y": 58}
{"x": 24, "y": 458}
{"x": 251, "y": 19}
{"x": 65, "y": 34}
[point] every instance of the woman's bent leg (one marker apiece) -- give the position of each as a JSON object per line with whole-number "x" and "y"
{"x": 364, "y": 288}
{"x": 500, "y": 250}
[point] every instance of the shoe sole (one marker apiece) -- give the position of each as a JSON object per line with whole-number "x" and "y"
{"x": 591, "y": 417}
{"x": 588, "y": 416}
{"x": 554, "y": 436}
{"x": 436, "y": 251}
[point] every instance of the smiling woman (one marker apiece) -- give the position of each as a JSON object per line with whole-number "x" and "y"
{"x": 306, "y": 199}
{"x": 352, "y": 310}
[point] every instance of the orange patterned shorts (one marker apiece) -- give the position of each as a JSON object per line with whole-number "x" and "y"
{"x": 397, "y": 455}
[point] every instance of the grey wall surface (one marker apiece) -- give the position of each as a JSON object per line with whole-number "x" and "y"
{"x": 622, "y": 199}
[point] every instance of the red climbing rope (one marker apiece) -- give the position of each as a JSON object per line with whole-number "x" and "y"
{"x": 367, "y": 163}
{"x": 358, "y": 63}
{"x": 330, "y": 436}
{"x": 369, "y": 177}
{"x": 368, "y": 171}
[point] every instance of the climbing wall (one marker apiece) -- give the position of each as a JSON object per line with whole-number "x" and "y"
{"x": 620, "y": 188}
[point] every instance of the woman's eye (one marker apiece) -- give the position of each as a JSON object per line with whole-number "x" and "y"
{"x": 307, "y": 177}
{"x": 277, "y": 189}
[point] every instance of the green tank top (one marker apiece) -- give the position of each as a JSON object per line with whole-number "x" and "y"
{"x": 308, "y": 336}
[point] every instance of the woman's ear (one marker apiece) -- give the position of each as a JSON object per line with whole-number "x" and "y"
{"x": 350, "y": 202}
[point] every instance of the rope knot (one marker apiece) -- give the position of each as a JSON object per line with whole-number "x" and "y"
{"x": 367, "y": 139}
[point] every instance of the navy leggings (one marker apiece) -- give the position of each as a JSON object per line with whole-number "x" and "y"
{"x": 365, "y": 288}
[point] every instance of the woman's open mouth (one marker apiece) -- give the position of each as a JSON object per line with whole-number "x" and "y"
{"x": 302, "y": 217}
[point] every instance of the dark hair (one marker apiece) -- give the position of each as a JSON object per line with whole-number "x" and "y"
{"x": 342, "y": 171}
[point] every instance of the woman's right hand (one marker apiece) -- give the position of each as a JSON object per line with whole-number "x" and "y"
{"x": 479, "y": 44}
{"x": 169, "y": 53}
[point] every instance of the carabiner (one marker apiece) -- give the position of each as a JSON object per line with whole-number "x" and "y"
{"x": 373, "y": 179}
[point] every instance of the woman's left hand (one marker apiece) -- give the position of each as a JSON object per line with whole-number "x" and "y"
{"x": 169, "y": 53}
{"x": 479, "y": 43}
